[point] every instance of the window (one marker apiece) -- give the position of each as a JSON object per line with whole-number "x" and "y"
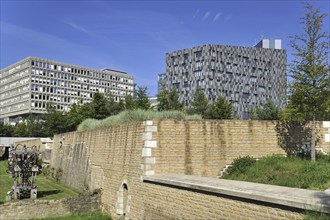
{"x": 198, "y": 54}
{"x": 198, "y": 73}
{"x": 229, "y": 74}
{"x": 173, "y": 59}
{"x": 245, "y": 115}
{"x": 176, "y": 85}
{"x": 245, "y": 95}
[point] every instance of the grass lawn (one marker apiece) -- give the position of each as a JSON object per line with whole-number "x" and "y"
{"x": 82, "y": 216}
{"x": 47, "y": 188}
{"x": 283, "y": 171}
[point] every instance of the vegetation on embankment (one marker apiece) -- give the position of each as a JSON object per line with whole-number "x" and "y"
{"x": 48, "y": 188}
{"x": 135, "y": 115}
{"x": 81, "y": 216}
{"x": 283, "y": 171}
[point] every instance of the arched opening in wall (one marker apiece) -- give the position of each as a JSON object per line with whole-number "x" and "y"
{"x": 123, "y": 201}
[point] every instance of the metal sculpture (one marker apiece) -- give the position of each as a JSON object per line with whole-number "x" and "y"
{"x": 23, "y": 166}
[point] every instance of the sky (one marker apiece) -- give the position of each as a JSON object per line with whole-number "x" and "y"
{"x": 134, "y": 36}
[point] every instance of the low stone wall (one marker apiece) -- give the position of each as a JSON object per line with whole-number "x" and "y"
{"x": 27, "y": 209}
{"x": 162, "y": 202}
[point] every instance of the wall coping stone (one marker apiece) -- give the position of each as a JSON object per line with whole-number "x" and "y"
{"x": 286, "y": 196}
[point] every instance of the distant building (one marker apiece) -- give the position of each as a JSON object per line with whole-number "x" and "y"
{"x": 272, "y": 44}
{"x": 28, "y": 86}
{"x": 246, "y": 76}
{"x": 161, "y": 81}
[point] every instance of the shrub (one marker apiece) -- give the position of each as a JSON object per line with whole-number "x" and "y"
{"x": 290, "y": 171}
{"x": 242, "y": 164}
{"x": 58, "y": 174}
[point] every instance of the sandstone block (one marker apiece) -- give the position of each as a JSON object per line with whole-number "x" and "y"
{"x": 149, "y": 143}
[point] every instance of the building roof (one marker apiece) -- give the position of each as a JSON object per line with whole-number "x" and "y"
{"x": 46, "y": 140}
{"x": 7, "y": 141}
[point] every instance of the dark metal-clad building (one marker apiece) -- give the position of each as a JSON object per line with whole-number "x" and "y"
{"x": 245, "y": 76}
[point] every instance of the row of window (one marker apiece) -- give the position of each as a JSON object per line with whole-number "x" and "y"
{"x": 216, "y": 54}
{"x": 79, "y": 71}
{"x": 59, "y": 98}
{"x": 42, "y": 106}
{"x": 14, "y": 92}
{"x": 69, "y": 84}
{"x": 14, "y": 108}
{"x": 78, "y": 78}
{"x": 56, "y": 90}
{"x": 14, "y": 99}
{"x": 12, "y": 77}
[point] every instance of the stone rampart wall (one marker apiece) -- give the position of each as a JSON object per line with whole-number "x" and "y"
{"x": 115, "y": 158}
{"x": 205, "y": 147}
{"x": 102, "y": 158}
{"x": 27, "y": 209}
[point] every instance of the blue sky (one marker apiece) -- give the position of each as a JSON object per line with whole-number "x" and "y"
{"x": 134, "y": 36}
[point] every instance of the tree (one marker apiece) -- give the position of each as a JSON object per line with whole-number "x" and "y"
{"x": 310, "y": 88}
{"x": 221, "y": 109}
{"x": 142, "y": 100}
{"x": 169, "y": 100}
{"x": 199, "y": 103}
{"x": 55, "y": 122}
{"x": 75, "y": 116}
{"x": 113, "y": 107}
{"x": 6, "y": 130}
{"x": 35, "y": 127}
{"x": 129, "y": 102}
{"x": 21, "y": 130}
{"x": 100, "y": 106}
{"x": 269, "y": 111}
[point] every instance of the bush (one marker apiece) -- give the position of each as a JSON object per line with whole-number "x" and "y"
{"x": 58, "y": 175}
{"x": 241, "y": 164}
{"x": 290, "y": 171}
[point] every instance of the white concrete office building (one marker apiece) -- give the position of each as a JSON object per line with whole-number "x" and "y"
{"x": 28, "y": 86}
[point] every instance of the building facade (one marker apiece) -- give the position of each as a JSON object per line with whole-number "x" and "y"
{"x": 30, "y": 85}
{"x": 246, "y": 76}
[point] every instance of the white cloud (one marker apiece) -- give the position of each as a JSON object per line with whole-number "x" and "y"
{"x": 196, "y": 13}
{"x": 228, "y": 17}
{"x": 34, "y": 36}
{"x": 77, "y": 27}
{"x": 217, "y": 16}
{"x": 206, "y": 15}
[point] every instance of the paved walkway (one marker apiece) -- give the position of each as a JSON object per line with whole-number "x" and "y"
{"x": 292, "y": 197}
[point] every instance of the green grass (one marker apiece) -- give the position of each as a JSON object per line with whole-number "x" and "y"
{"x": 47, "y": 188}
{"x": 283, "y": 171}
{"x": 136, "y": 115}
{"x": 310, "y": 215}
{"x": 96, "y": 215}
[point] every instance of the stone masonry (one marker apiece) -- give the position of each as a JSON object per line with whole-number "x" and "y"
{"x": 116, "y": 158}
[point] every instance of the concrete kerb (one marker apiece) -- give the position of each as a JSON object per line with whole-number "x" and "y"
{"x": 285, "y": 196}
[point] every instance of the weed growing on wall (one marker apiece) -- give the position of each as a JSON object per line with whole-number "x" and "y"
{"x": 135, "y": 115}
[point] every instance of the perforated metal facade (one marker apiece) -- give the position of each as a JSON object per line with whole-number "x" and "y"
{"x": 246, "y": 76}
